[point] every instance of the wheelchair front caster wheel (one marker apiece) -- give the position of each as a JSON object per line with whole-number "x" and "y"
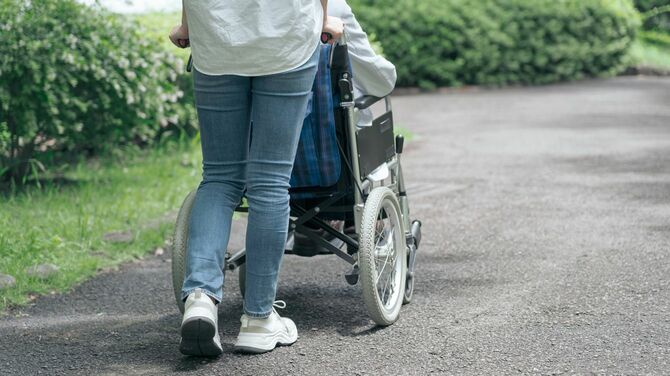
{"x": 409, "y": 290}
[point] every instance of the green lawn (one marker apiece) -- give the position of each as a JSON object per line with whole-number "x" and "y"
{"x": 63, "y": 223}
{"x": 652, "y": 49}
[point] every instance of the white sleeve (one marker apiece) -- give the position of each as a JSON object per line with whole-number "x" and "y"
{"x": 373, "y": 75}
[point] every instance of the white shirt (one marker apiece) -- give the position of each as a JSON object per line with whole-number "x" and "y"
{"x": 373, "y": 74}
{"x": 252, "y": 37}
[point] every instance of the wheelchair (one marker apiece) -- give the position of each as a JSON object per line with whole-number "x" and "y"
{"x": 364, "y": 188}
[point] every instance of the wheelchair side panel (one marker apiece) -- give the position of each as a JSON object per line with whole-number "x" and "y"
{"x": 376, "y": 144}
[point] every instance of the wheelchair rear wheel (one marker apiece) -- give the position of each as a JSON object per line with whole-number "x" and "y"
{"x": 180, "y": 238}
{"x": 242, "y": 278}
{"x": 382, "y": 256}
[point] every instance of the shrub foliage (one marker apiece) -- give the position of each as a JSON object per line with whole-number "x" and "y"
{"x": 496, "y": 42}
{"x": 78, "y": 79}
{"x": 659, "y": 13}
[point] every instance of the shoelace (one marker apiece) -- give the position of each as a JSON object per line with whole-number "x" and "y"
{"x": 281, "y": 305}
{"x": 276, "y": 304}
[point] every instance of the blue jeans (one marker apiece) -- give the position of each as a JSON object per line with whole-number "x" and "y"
{"x": 231, "y": 108}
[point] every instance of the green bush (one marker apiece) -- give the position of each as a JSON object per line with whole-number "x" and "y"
{"x": 660, "y": 21}
{"x": 656, "y": 38}
{"x": 156, "y": 27}
{"x": 496, "y": 42}
{"x": 76, "y": 79}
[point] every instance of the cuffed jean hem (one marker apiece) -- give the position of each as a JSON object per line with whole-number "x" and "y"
{"x": 184, "y": 295}
{"x": 257, "y": 315}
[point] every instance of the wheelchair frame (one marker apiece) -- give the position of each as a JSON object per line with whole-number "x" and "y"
{"x": 412, "y": 230}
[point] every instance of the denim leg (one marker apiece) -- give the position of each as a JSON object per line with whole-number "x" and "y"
{"x": 278, "y": 110}
{"x": 223, "y": 105}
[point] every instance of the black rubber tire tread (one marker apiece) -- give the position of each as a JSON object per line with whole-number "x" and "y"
{"x": 366, "y": 262}
{"x": 179, "y": 250}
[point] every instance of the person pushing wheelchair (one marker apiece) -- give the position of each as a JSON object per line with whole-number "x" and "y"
{"x": 254, "y": 61}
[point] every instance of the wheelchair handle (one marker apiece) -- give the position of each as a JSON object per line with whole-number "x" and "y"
{"x": 327, "y": 37}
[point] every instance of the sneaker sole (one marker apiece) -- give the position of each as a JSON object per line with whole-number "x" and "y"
{"x": 197, "y": 338}
{"x": 259, "y": 343}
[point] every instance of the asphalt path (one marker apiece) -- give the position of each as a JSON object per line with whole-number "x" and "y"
{"x": 546, "y": 247}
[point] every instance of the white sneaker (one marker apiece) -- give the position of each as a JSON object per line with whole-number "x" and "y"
{"x": 199, "y": 327}
{"x": 262, "y": 335}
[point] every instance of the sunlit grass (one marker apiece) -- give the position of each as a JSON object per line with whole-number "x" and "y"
{"x": 64, "y": 223}
{"x": 652, "y": 50}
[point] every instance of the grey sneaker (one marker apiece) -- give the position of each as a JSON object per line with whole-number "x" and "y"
{"x": 262, "y": 335}
{"x": 199, "y": 327}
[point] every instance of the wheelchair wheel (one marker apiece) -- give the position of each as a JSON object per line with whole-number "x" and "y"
{"x": 409, "y": 288}
{"x": 382, "y": 256}
{"x": 409, "y": 280}
{"x": 179, "y": 249}
{"x": 242, "y": 278}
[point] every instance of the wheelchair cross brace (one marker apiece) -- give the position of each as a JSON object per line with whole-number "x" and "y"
{"x": 235, "y": 260}
{"x": 306, "y": 216}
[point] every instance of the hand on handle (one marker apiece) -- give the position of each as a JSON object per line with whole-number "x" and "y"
{"x": 179, "y": 36}
{"x": 333, "y": 29}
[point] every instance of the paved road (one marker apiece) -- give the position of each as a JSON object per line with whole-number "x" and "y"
{"x": 546, "y": 250}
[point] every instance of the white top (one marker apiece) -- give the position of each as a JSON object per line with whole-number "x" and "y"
{"x": 373, "y": 74}
{"x": 252, "y": 37}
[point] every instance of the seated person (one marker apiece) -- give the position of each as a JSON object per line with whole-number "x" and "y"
{"x": 373, "y": 74}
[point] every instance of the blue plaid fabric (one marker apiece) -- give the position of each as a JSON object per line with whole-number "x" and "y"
{"x": 317, "y": 161}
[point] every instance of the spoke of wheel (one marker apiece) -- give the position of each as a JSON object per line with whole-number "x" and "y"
{"x": 378, "y": 233}
{"x": 379, "y": 240}
{"x": 392, "y": 278}
{"x": 383, "y": 294}
{"x": 389, "y": 281}
{"x": 388, "y": 254}
{"x": 376, "y": 248}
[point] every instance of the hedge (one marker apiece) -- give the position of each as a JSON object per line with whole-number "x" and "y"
{"x": 76, "y": 79}
{"x": 658, "y": 12}
{"x": 497, "y": 42}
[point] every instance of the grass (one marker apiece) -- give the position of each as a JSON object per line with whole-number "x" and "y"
{"x": 652, "y": 49}
{"x": 63, "y": 223}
